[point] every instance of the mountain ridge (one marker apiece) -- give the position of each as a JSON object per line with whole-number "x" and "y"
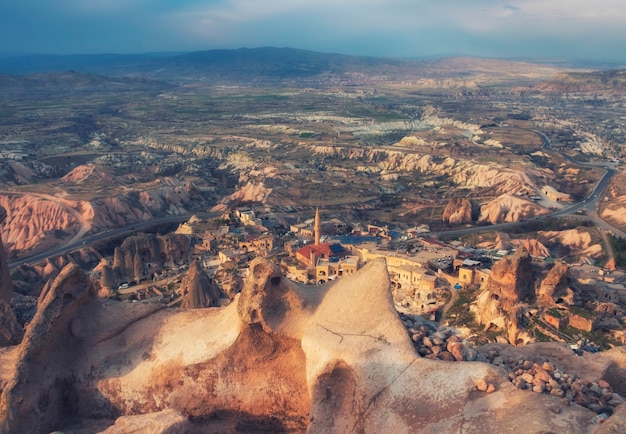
{"x": 245, "y": 64}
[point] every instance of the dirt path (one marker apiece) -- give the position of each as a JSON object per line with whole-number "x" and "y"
{"x": 454, "y": 296}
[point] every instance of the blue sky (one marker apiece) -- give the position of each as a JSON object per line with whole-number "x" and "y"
{"x": 567, "y": 29}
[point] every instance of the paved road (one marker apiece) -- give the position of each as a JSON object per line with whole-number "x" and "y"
{"x": 113, "y": 233}
{"x": 589, "y": 205}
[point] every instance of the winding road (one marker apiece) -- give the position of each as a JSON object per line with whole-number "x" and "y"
{"x": 589, "y": 205}
{"x": 113, "y": 233}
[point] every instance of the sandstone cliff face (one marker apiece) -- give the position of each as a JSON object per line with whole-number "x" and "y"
{"x": 6, "y": 286}
{"x": 90, "y": 173}
{"x": 282, "y": 358}
{"x": 512, "y": 278}
{"x": 36, "y": 221}
{"x": 460, "y": 211}
{"x": 11, "y": 331}
{"x": 250, "y": 192}
{"x": 554, "y": 284}
{"x": 166, "y": 196}
{"x": 462, "y": 172}
{"x": 41, "y": 390}
{"x": 39, "y": 221}
{"x": 511, "y": 282}
{"x": 508, "y": 208}
{"x": 141, "y": 255}
{"x": 198, "y": 289}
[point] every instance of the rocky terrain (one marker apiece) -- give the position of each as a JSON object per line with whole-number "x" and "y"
{"x": 34, "y": 221}
{"x": 422, "y": 144}
{"x": 460, "y": 211}
{"x": 198, "y": 289}
{"x": 39, "y": 221}
{"x": 142, "y": 256}
{"x": 613, "y": 81}
{"x": 508, "y": 208}
{"x": 579, "y": 241}
{"x": 287, "y": 358}
{"x": 499, "y": 303}
{"x": 540, "y": 368}
{"x": 503, "y": 241}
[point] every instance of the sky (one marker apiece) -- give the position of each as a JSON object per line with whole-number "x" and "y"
{"x": 539, "y": 29}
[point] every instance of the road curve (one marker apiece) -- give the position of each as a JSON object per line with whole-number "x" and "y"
{"x": 101, "y": 236}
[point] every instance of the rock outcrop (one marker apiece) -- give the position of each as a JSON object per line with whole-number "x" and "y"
{"x": 554, "y": 284}
{"x": 6, "y": 286}
{"x": 512, "y": 278}
{"x": 250, "y": 192}
{"x": 282, "y": 357}
{"x": 511, "y": 282}
{"x": 42, "y": 390}
{"x": 460, "y": 211}
{"x": 198, "y": 289}
{"x": 504, "y": 242}
{"x": 11, "y": 331}
{"x": 36, "y": 221}
{"x": 578, "y": 241}
{"x": 508, "y": 208}
{"x": 141, "y": 255}
{"x": 90, "y": 173}
{"x": 463, "y": 172}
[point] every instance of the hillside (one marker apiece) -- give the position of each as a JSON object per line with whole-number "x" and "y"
{"x": 72, "y": 81}
{"x": 268, "y": 65}
{"x": 574, "y": 82}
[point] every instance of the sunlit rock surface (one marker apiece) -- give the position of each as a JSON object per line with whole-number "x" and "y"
{"x": 281, "y": 357}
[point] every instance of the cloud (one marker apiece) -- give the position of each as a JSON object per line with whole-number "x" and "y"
{"x": 377, "y": 27}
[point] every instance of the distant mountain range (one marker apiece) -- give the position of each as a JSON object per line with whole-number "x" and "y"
{"x": 47, "y": 83}
{"x": 235, "y": 65}
{"x": 255, "y": 66}
{"x": 250, "y": 65}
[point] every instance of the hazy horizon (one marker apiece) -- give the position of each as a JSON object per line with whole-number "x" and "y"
{"x": 538, "y": 29}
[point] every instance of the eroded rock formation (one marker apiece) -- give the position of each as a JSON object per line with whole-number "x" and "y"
{"x": 11, "y": 331}
{"x": 554, "y": 284}
{"x": 511, "y": 282}
{"x": 36, "y": 221}
{"x": 282, "y": 357}
{"x": 198, "y": 289}
{"x": 5, "y": 276}
{"x": 460, "y": 210}
{"x": 512, "y": 278}
{"x": 140, "y": 256}
{"x": 508, "y": 208}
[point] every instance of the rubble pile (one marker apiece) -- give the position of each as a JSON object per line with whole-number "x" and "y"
{"x": 434, "y": 341}
{"x": 541, "y": 376}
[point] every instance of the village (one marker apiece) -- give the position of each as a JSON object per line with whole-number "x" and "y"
{"x": 427, "y": 275}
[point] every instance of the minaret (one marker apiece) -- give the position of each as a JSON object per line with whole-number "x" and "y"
{"x": 317, "y": 229}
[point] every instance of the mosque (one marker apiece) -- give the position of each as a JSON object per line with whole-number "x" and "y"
{"x": 325, "y": 261}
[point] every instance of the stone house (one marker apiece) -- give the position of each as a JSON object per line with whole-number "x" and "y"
{"x": 556, "y": 318}
{"x": 582, "y": 319}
